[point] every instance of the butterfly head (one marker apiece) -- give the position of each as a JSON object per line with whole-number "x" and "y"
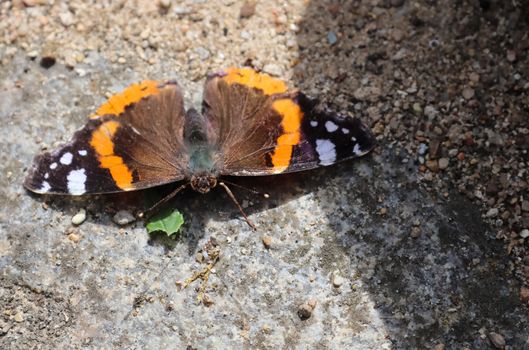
{"x": 203, "y": 183}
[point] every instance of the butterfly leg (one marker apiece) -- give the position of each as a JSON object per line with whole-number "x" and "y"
{"x": 230, "y": 194}
{"x": 251, "y": 190}
{"x": 149, "y": 212}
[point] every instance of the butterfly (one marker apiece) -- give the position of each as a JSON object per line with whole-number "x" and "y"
{"x": 250, "y": 124}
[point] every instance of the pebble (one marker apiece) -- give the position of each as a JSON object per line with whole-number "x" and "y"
{"x": 202, "y": 52}
{"x": 524, "y": 294}
{"x": 417, "y": 108}
{"x": 415, "y": 232}
{"x": 305, "y": 310}
{"x": 525, "y": 205}
{"x": 19, "y": 317}
{"x": 246, "y": 35}
{"x": 443, "y": 163}
{"x": 433, "y": 165}
{"x": 397, "y": 35}
{"x": 332, "y": 38}
{"x": 267, "y": 241}
{"x": 497, "y": 340}
{"x": 79, "y": 218}
{"x": 273, "y": 69}
{"x": 524, "y": 233}
{"x": 165, "y": 3}
{"x": 439, "y": 346}
{"x": 66, "y": 18}
{"x": 123, "y": 217}
{"x": 468, "y": 93}
{"x": 430, "y": 112}
{"x": 337, "y": 280}
{"x": 247, "y": 9}
{"x": 422, "y": 148}
{"x": 32, "y": 54}
{"x": 492, "y": 213}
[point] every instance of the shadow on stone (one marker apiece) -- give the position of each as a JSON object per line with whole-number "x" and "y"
{"x": 431, "y": 266}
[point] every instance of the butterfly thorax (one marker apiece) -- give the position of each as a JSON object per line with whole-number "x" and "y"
{"x": 201, "y": 164}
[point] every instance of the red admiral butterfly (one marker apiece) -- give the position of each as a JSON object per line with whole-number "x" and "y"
{"x": 250, "y": 125}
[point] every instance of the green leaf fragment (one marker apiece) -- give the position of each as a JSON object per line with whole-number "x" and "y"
{"x": 166, "y": 221}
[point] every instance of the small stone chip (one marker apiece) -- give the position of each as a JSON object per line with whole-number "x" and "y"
{"x": 443, "y": 163}
{"x": 497, "y": 340}
{"x": 337, "y": 280}
{"x": 267, "y": 241}
{"x": 79, "y": 218}
{"x": 19, "y": 317}
{"x": 123, "y": 218}
{"x": 74, "y": 237}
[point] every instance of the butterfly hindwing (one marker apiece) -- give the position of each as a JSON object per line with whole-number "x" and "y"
{"x": 327, "y": 137}
{"x": 133, "y": 141}
{"x": 265, "y": 129}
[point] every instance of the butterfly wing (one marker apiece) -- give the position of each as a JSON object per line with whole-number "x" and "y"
{"x": 133, "y": 141}
{"x": 265, "y": 129}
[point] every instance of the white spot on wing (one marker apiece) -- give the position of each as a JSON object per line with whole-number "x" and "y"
{"x": 45, "y": 187}
{"x": 82, "y": 152}
{"x": 353, "y": 139}
{"x": 66, "y": 158}
{"x": 326, "y": 152}
{"x": 313, "y": 123}
{"x": 345, "y": 130}
{"x": 76, "y": 181}
{"x": 53, "y": 165}
{"x": 330, "y": 126}
{"x": 357, "y": 150}
{"x": 46, "y": 175}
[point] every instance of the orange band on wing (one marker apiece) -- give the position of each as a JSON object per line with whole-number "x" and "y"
{"x": 104, "y": 146}
{"x": 134, "y": 93}
{"x": 291, "y": 123}
{"x": 250, "y": 78}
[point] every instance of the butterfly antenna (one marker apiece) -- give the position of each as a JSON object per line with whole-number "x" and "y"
{"x": 251, "y": 190}
{"x": 230, "y": 194}
{"x": 153, "y": 209}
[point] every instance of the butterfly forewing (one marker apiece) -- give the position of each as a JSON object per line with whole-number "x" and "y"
{"x": 265, "y": 129}
{"x": 133, "y": 141}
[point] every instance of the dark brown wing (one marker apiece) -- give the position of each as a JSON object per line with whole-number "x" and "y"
{"x": 133, "y": 141}
{"x": 264, "y": 129}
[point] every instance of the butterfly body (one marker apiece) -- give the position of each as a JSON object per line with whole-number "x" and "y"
{"x": 250, "y": 125}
